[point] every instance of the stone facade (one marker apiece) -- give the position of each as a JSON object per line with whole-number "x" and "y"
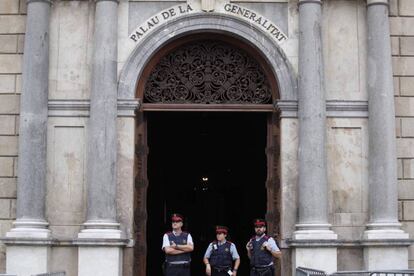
{"x": 75, "y": 72}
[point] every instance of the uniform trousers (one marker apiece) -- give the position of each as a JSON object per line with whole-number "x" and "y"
{"x": 177, "y": 269}
{"x": 262, "y": 271}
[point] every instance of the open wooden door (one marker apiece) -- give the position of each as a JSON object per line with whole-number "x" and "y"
{"x": 273, "y": 179}
{"x": 140, "y": 197}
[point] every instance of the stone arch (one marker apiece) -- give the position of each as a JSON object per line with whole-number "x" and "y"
{"x": 208, "y": 23}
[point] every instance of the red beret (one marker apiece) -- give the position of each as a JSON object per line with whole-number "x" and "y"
{"x": 259, "y": 222}
{"x": 222, "y": 229}
{"x": 176, "y": 217}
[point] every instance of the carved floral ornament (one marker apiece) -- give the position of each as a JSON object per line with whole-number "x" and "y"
{"x": 207, "y": 72}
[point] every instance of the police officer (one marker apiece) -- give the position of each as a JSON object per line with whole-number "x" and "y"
{"x": 220, "y": 255}
{"x": 261, "y": 249}
{"x": 177, "y": 246}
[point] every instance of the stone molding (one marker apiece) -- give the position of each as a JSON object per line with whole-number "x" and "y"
{"x": 211, "y": 22}
{"x": 45, "y": 1}
{"x": 301, "y": 2}
{"x": 377, "y": 2}
{"x": 116, "y": 1}
{"x": 80, "y": 108}
{"x": 289, "y": 243}
{"x": 334, "y": 109}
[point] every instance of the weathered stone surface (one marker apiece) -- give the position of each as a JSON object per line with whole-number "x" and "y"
{"x": 5, "y": 225}
{"x": 8, "y": 43}
{"x": 395, "y": 46}
{"x": 407, "y": 86}
{"x": 4, "y": 208}
{"x": 12, "y": 24}
{"x": 8, "y": 145}
{"x": 400, "y": 210}
{"x": 407, "y": 45}
{"x": 341, "y": 50}
{"x": 350, "y": 259}
{"x": 69, "y": 55}
{"x": 402, "y": 26}
{"x": 396, "y": 86}
{"x": 7, "y": 124}
{"x": 398, "y": 127}
{"x": 20, "y": 44}
{"x": 9, "y": 6}
{"x": 10, "y": 64}
{"x": 6, "y": 166}
{"x": 407, "y": 127}
{"x": 393, "y": 7}
{"x": 7, "y": 186}
{"x": 406, "y": 8}
{"x": 23, "y": 7}
{"x": 7, "y": 84}
{"x": 13, "y": 209}
{"x": 405, "y": 147}
{"x": 70, "y": 255}
{"x": 406, "y": 190}
{"x": 400, "y": 172}
{"x": 403, "y": 65}
{"x": 404, "y": 106}
{"x": 18, "y": 84}
{"x": 408, "y": 210}
{"x": 408, "y": 168}
{"x": 65, "y": 181}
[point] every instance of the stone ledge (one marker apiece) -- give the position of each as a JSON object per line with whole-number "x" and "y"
{"x": 70, "y": 242}
{"x": 289, "y": 243}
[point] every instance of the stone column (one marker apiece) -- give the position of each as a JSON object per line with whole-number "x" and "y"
{"x": 29, "y": 238}
{"x": 312, "y": 187}
{"x": 100, "y": 255}
{"x": 383, "y": 198}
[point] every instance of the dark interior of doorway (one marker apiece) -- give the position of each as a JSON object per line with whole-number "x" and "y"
{"x": 226, "y": 148}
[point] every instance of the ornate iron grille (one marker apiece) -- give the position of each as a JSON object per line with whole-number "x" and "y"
{"x": 207, "y": 72}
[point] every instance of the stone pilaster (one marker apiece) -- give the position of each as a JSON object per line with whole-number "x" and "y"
{"x": 383, "y": 226}
{"x": 312, "y": 187}
{"x": 99, "y": 250}
{"x": 29, "y": 238}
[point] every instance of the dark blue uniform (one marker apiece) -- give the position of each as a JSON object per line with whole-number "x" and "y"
{"x": 221, "y": 259}
{"x": 261, "y": 260}
{"x": 177, "y": 265}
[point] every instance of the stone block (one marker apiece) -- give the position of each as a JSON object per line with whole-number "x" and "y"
{"x": 405, "y": 189}
{"x": 10, "y": 64}
{"x": 18, "y": 84}
{"x": 20, "y": 44}
{"x": 23, "y": 7}
{"x": 8, "y": 43}
{"x": 9, "y": 104}
{"x": 6, "y": 166}
{"x": 393, "y": 7}
{"x": 70, "y": 255}
{"x": 8, "y": 187}
{"x": 398, "y": 127}
{"x": 407, "y": 86}
{"x": 350, "y": 259}
{"x": 400, "y": 168}
{"x": 4, "y": 208}
{"x": 408, "y": 210}
{"x": 396, "y": 83}
{"x": 407, "y": 127}
{"x": 405, "y": 147}
{"x": 403, "y": 66}
{"x": 12, "y": 24}
{"x": 395, "y": 46}
{"x": 15, "y": 166}
{"x": 407, "y": 45}
{"x": 13, "y": 208}
{"x": 5, "y": 226}
{"x": 8, "y": 145}
{"x": 400, "y": 210}
{"x": 7, "y": 124}
{"x": 406, "y": 7}
{"x": 404, "y": 106}
{"x": 7, "y": 84}
{"x": 408, "y": 168}
{"x": 9, "y": 6}
{"x": 401, "y": 26}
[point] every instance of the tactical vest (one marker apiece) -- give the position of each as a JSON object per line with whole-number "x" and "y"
{"x": 179, "y": 240}
{"x": 260, "y": 256}
{"x": 221, "y": 256}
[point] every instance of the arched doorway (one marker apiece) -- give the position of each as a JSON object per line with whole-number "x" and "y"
{"x": 215, "y": 83}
